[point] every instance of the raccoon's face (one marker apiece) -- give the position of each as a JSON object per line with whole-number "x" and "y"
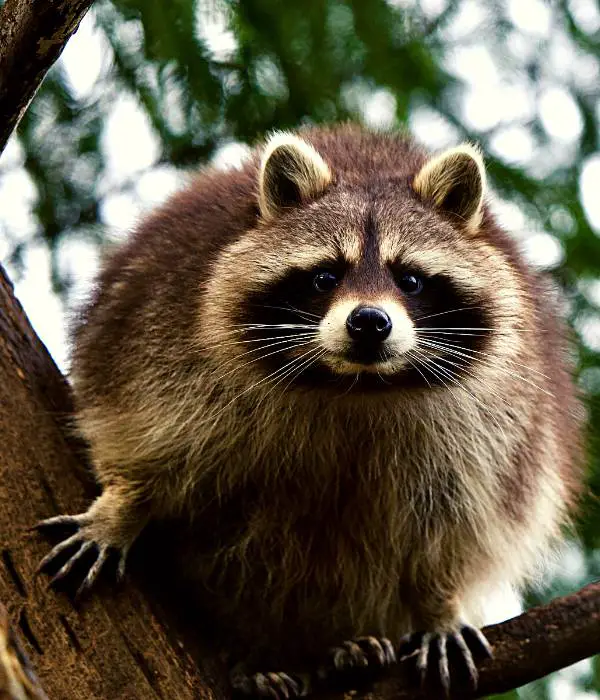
{"x": 376, "y": 286}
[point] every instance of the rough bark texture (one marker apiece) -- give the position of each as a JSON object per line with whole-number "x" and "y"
{"x": 117, "y": 644}
{"x": 125, "y": 642}
{"x": 17, "y": 679}
{"x": 33, "y": 34}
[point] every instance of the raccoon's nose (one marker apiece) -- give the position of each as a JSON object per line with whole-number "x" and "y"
{"x": 369, "y": 324}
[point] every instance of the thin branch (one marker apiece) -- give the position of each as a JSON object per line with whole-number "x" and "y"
{"x": 530, "y": 646}
{"x": 32, "y": 36}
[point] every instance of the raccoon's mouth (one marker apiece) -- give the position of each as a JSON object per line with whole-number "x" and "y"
{"x": 359, "y": 361}
{"x": 365, "y": 355}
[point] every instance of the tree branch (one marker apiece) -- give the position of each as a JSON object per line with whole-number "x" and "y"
{"x": 32, "y": 36}
{"x": 528, "y": 647}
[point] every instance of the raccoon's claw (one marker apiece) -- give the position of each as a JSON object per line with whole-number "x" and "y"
{"x": 362, "y": 652}
{"x": 278, "y": 686}
{"x": 81, "y": 542}
{"x": 466, "y": 641}
{"x": 74, "y": 520}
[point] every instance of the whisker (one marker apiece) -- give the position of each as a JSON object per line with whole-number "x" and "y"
{"x": 451, "y": 311}
{"x": 214, "y": 416}
{"x": 289, "y": 308}
{"x": 435, "y": 329}
{"x": 408, "y": 356}
{"x": 301, "y": 311}
{"x": 428, "y": 331}
{"x": 284, "y": 326}
{"x": 384, "y": 357}
{"x": 349, "y": 389}
{"x": 302, "y": 368}
{"x": 290, "y": 346}
{"x": 290, "y": 368}
{"x": 489, "y": 359}
{"x": 453, "y": 377}
{"x": 425, "y": 363}
{"x": 227, "y": 343}
{"x": 463, "y": 368}
{"x": 446, "y": 341}
{"x": 452, "y": 351}
{"x": 279, "y": 341}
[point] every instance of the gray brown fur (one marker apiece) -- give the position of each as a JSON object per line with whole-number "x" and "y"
{"x": 327, "y": 515}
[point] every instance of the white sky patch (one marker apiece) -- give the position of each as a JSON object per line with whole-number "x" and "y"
{"x": 17, "y": 196}
{"x": 589, "y": 184}
{"x": 586, "y": 14}
{"x": 509, "y": 216}
{"x": 560, "y": 115}
{"x": 533, "y": 16}
{"x": 564, "y": 684}
{"x": 432, "y": 129}
{"x": 13, "y": 153}
{"x": 543, "y": 250}
{"x": 474, "y": 65}
{"x": 588, "y": 327}
{"x": 86, "y": 57}
{"x": 433, "y": 8}
{"x": 501, "y": 604}
{"x": 470, "y": 18}
{"x": 375, "y": 107}
{"x": 128, "y": 141}
{"x": 43, "y": 308}
{"x": 379, "y": 111}
{"x": 212, "y": 29}
{"x": 120, "y": 211}
{"x": 231, "y": 155}
{"x": 591, "y": 290}
{"x": 484, "y": 106}
{"x": 521, "y": 46}
{"x": 514, "y": 144}
{"x": 156, "y": 185}
{"x": 570, "y": 566}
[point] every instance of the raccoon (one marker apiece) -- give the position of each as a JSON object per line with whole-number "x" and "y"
{"x": 335, "y": 366}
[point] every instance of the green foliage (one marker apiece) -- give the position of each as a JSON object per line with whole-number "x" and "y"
{"x": 324, "y": 60}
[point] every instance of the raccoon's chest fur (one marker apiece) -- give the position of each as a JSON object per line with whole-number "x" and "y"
{"x": 335, "y": 525}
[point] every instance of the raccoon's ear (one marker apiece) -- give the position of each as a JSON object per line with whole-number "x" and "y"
{"x": 455, "y": 182}
{"x": 291, "y": 172}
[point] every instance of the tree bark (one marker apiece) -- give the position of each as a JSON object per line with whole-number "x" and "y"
{"x": 33, "y": 34}
{"x": 126, "y": 642}
{"x": 118, "y": 644}
{"x": 17, "y": 679}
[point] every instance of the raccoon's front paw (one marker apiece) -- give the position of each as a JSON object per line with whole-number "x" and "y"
{"x": 432, "y": 650}
{"x": 89, "y": 536}
{"x": 275, "y": 685}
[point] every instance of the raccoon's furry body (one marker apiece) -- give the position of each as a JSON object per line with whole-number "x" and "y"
{"x": 335, "y": 503}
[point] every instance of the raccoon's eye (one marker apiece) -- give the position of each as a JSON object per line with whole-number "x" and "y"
{"x": 325, "y": 281}
{"x": 410, "y": 284}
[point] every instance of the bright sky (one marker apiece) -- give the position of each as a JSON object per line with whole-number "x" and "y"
{"x": 491, "y": 99}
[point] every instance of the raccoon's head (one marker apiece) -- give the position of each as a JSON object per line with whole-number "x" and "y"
{"x": 374, "y": 277}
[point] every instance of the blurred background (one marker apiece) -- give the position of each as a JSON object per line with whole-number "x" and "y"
{"x": 148, "y": 90}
